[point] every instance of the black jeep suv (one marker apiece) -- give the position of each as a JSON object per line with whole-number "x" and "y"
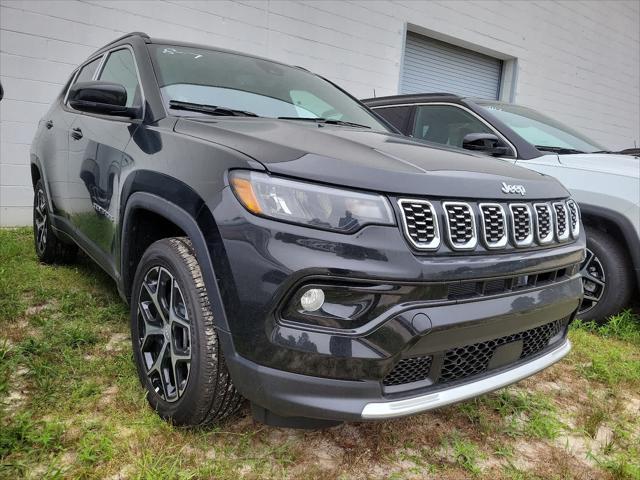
{"x": 278, "y": 241}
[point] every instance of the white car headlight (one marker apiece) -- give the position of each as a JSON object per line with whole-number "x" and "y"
{"x": 309, "y": 204}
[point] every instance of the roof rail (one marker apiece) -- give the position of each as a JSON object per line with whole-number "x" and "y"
{"x": 127, "y": 35}
{"x": 412, "y": 96}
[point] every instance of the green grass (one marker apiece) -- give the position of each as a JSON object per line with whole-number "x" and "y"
{"x": 466, "y": 454}
{"x": 71, "y": 405}
{"x": 609, "y": 354}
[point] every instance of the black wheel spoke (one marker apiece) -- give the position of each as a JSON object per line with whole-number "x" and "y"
{"x": 40, "y": 220}
{"x": 164, "y": 333}
{"x": 157, "y": 364}
{"x": 151, "y": 327}
{"x": 593, "y": 280}
{"x": 588, "y": 276}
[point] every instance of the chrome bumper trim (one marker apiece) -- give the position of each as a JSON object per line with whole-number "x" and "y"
{"x": 408, "y": 406}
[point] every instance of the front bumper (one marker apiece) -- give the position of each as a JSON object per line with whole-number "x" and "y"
{"x": 294, "y": 395}
{"x": 306, "y": 371}
{"x": 408, "y": 406}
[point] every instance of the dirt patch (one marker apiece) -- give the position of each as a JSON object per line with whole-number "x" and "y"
{"x": 36, "y": 309}
{"x": 118, "y": 342}
{"x": 18, "y": 391}
{"x": 108, "y": 396}
{"x": 547, "y": 460}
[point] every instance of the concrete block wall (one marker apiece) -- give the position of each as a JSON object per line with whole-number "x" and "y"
{"x": 577, "y": 61}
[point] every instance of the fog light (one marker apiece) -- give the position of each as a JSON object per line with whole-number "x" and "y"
{"x": 312, "y": 300}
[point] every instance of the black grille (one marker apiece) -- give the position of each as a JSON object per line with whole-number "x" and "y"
{"x": 419, "y": 219}
{"x": 479, "y": 288}
{"x": 463, "y": 362}
{"x": 408, "y": 370}
{"x": 543, "y": 215}
{"x": 561, "y": 220}
{"x": 461, "y": 224}
{"x": 573, "y": 213}
{"x": 493, "y": 222}
{"x": 521, "y": 223}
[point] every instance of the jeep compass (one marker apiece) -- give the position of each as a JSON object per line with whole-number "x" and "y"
{"x": 280, "y": 242}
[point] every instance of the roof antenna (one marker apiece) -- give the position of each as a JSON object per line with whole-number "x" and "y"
{"x": 374, "y": 93}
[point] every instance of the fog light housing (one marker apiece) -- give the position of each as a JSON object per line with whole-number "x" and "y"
{"x": 312, "y": 300}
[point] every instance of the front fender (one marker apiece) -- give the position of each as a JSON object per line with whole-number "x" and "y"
{"x": 183, "y": 219}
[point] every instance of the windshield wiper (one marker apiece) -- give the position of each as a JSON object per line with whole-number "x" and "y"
{"x": 560, "y": 150}
{"x": 328, "y": 121}
{"x": 209, "y": 109}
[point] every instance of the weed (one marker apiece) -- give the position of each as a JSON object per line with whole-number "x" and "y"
{"x": 466, "y": 454}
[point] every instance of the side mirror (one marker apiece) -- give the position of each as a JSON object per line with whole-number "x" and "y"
{"x": 105, "y": 98}
{"x": 485, "y": 142}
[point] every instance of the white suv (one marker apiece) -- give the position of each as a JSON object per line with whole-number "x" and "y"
{"x": 606, "y": 184}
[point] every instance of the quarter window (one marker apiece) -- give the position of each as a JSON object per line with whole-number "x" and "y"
{"x": 87, "y": 72}
{"x": 120, "y": 68}
{"x": 446, "y": 124}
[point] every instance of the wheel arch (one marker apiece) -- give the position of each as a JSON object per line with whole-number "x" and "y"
{"x": 186, "y": 214}
{"x": 617, "y": 224}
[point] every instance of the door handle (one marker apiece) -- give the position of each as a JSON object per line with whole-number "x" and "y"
{"x": 49, "y": 124}
{"x": 76, "y": 134}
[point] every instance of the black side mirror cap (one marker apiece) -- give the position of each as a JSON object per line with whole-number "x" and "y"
{"x": 105, "y": 98}
{"x": 485, "y": 142}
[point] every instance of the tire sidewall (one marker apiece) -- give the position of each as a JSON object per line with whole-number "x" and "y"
{"x": 161, "y": 254}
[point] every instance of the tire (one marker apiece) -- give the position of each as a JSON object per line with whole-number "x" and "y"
{"x": 607, "y": 277}
{"x": 190, "y": 385}
{"x": 49, "y": 248}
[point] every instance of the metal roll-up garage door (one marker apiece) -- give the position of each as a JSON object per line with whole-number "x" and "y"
{"x": 434, "y": 66}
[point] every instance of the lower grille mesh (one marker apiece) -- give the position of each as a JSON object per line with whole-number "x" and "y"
{"x": 409, "y": 370}
{"x": 469, "y": 360}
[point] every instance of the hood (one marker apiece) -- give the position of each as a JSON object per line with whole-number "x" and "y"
{"x": 365, "y": 159}
{"x": 615, "y": 164}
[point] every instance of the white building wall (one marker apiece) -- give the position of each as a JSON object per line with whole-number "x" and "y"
{"x": 577, "y": 61}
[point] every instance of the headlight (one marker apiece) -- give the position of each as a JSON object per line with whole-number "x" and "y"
{"x": 309, "y": 204}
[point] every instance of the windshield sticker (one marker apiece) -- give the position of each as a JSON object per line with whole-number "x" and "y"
{"x": 173, "y": 51}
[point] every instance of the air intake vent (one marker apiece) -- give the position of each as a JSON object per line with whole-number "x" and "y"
{"x": 494, "y": 227}
{"x": 521, "y": 227}
{"x": 408, "y": 370}
{"x": 544, "y": 223}
{"x": 561, "y": 221}
{"x": 420, "y": 224}
{"x": 461, "y": 225}
{"x": 574, "y": 213}
{"x": 463, "y": 362}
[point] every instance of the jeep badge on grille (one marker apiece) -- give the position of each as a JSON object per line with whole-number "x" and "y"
{"x": 506, "y": 188}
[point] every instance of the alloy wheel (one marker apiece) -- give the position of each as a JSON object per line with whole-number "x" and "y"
{"x": 593, "y": 281}
{"x": 40, "y": 210}
{"x": 164, "y": 333}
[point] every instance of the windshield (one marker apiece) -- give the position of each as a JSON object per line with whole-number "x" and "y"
{"x": 540, "y": 130}
{"x": 243, "y": 83}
